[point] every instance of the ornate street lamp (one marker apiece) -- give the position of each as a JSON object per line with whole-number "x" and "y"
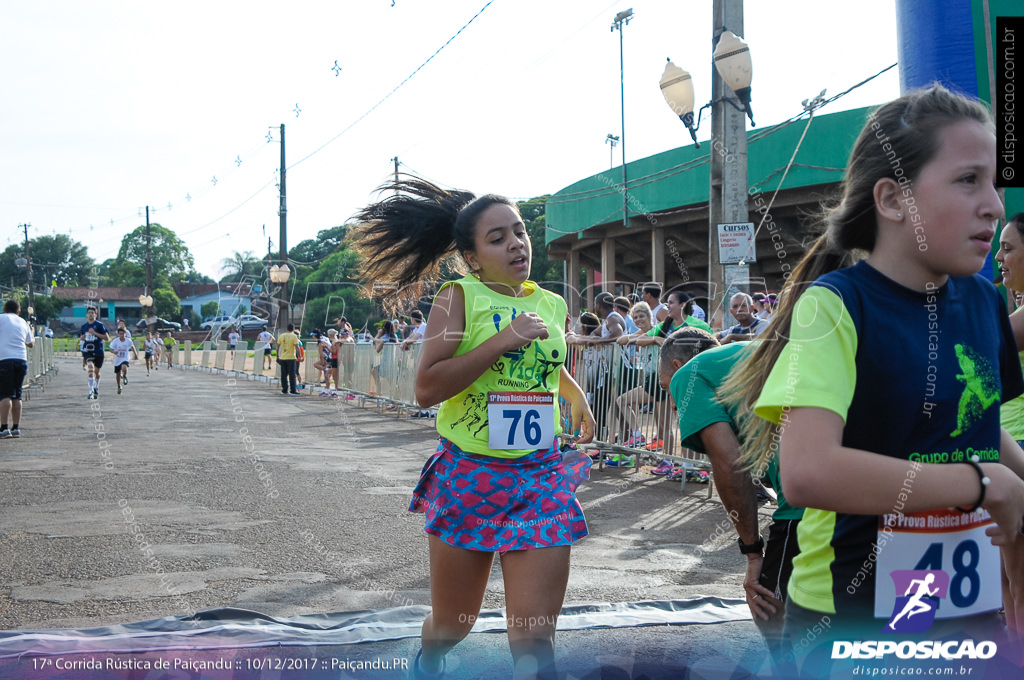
{"x": 281, "y": 274}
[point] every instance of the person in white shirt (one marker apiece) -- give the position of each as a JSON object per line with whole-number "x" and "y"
{"x": 266, "y": 337}
{"x": 15, "y": 337}
{"x": 233, "y": 337}
{"x": 120, "y": 347}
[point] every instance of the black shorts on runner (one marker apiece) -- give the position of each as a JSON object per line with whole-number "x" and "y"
{"x": 149, "y": 354}
{"x": 121, "y": 366}
{"x": 266, "y": 351}
{"x": 778, "y": 556}
{"x": 12, "y": 377}
{"x": 95, "y": 360}
{"x": 332, "y": 363}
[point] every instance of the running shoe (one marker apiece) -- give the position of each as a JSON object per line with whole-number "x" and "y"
{"x": 635, "y": 440}
{"x": 119, "y": 389}
{"x": 325, "y": 393}
{"x": 655, "y": 445}
{"x": 5, "y": 434}
{"x": 15, "y": 432}
{"x": 699, "y": 476}
{"x": 620, "y": 461}
{"x": 350, "y": 396}
{"x": 663, "y": 468}
{"x": 675, "y": 475}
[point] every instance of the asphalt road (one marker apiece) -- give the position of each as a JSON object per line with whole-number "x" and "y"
{"x": 193, "y": 491}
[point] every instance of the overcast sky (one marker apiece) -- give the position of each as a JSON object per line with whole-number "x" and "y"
{"x": 112, "y": 106}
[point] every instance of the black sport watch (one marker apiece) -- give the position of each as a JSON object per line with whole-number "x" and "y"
{"x": 755, "y": 547}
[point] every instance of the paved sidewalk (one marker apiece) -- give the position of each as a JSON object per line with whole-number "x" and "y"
{"x": 192, "y": 491}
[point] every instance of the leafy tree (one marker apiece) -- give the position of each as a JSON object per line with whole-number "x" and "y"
{"x": 541, "y": 269}
{"x": 45, "y": 307}
{"x": 312, "y": 251}
{"x": 196, "y": 277}
{"x": 239, "y": 265}
{"x": 54, "y": 258}
{"x": 171, "y": 260}
{"x": 347, "y": 300}
{"x": 211, "y": 308}
{"x": 166, "y": 302}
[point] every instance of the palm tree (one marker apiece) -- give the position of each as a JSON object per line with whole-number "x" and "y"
{"x": 239, "y": 265}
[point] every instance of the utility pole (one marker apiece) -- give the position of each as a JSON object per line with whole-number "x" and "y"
{"x": 395, "y": 159}
{"x": 28, "y": 257}
{"x": 622, "y": 19}
{"x": 151, "y": 325}
{"x": 728, "y": 199}
{"x": 282, "y": 212}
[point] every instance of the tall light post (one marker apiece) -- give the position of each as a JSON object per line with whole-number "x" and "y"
{"x": 732, "y": 70}
{"x": 622, "y": 19}
{"x": 611, "y": 140}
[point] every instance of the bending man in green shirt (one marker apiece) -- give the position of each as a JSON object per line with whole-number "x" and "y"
{"x": 692, "y": 369}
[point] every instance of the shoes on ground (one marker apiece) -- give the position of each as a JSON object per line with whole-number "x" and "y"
{"x": 619, "y": 461}
{"x": 699, "y": 476}
{"x": 15, "y": 432}
{"x": 5, "y": 434}
{"x": 654, "y": 445}
{"x": 675, "y": 475}
{"x": 663, "y": 468}
{"x": 635, "y": 440}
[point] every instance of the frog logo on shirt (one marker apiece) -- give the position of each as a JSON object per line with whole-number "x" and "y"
{"x": 980, "y": 389}
{"x": 530, "y": 363}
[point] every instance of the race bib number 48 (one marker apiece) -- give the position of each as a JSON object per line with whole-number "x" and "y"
{"x": 940, "y": 540}
{"x": 520, "y": 420}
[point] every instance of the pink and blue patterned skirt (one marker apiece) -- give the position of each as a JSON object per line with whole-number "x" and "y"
{"x": 493, "y": 504}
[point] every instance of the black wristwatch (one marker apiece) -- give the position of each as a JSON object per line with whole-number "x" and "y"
{"x": 756, "y": 547}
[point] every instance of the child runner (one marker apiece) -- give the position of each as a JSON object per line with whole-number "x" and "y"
{"x": 93, "y": 334}
{"x": 885, "y": 376}
{"x": 150, "y": 350}
{"x": 158, "y": 347}
{"x": 168, "y": 348}
{"x": 120, "y": 347}
{"x": 488, "y": 330}
{"x": 267, "y": 338}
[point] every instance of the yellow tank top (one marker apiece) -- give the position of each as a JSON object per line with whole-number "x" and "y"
{"x": 534, "y": 368}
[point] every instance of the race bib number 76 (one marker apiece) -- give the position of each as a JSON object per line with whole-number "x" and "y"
{"x": 520, "y": 420}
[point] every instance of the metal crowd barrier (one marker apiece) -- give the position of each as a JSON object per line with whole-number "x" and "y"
{"x": 41, "y": 366}
{"x": 635, "y": 417}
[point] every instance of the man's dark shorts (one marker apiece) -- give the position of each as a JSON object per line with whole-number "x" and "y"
{"x": 95, "y": 359}
{"x": 778, "y": 558}
{"x": 12, "y": 377}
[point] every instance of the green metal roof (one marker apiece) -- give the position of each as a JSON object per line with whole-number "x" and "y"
{"x": 680, "y": 177}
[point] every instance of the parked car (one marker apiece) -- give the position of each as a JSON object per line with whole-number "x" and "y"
{"x": 248, "y": 322}
{"x": 162, "y": 325}
{"x": 217, "y": 322}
